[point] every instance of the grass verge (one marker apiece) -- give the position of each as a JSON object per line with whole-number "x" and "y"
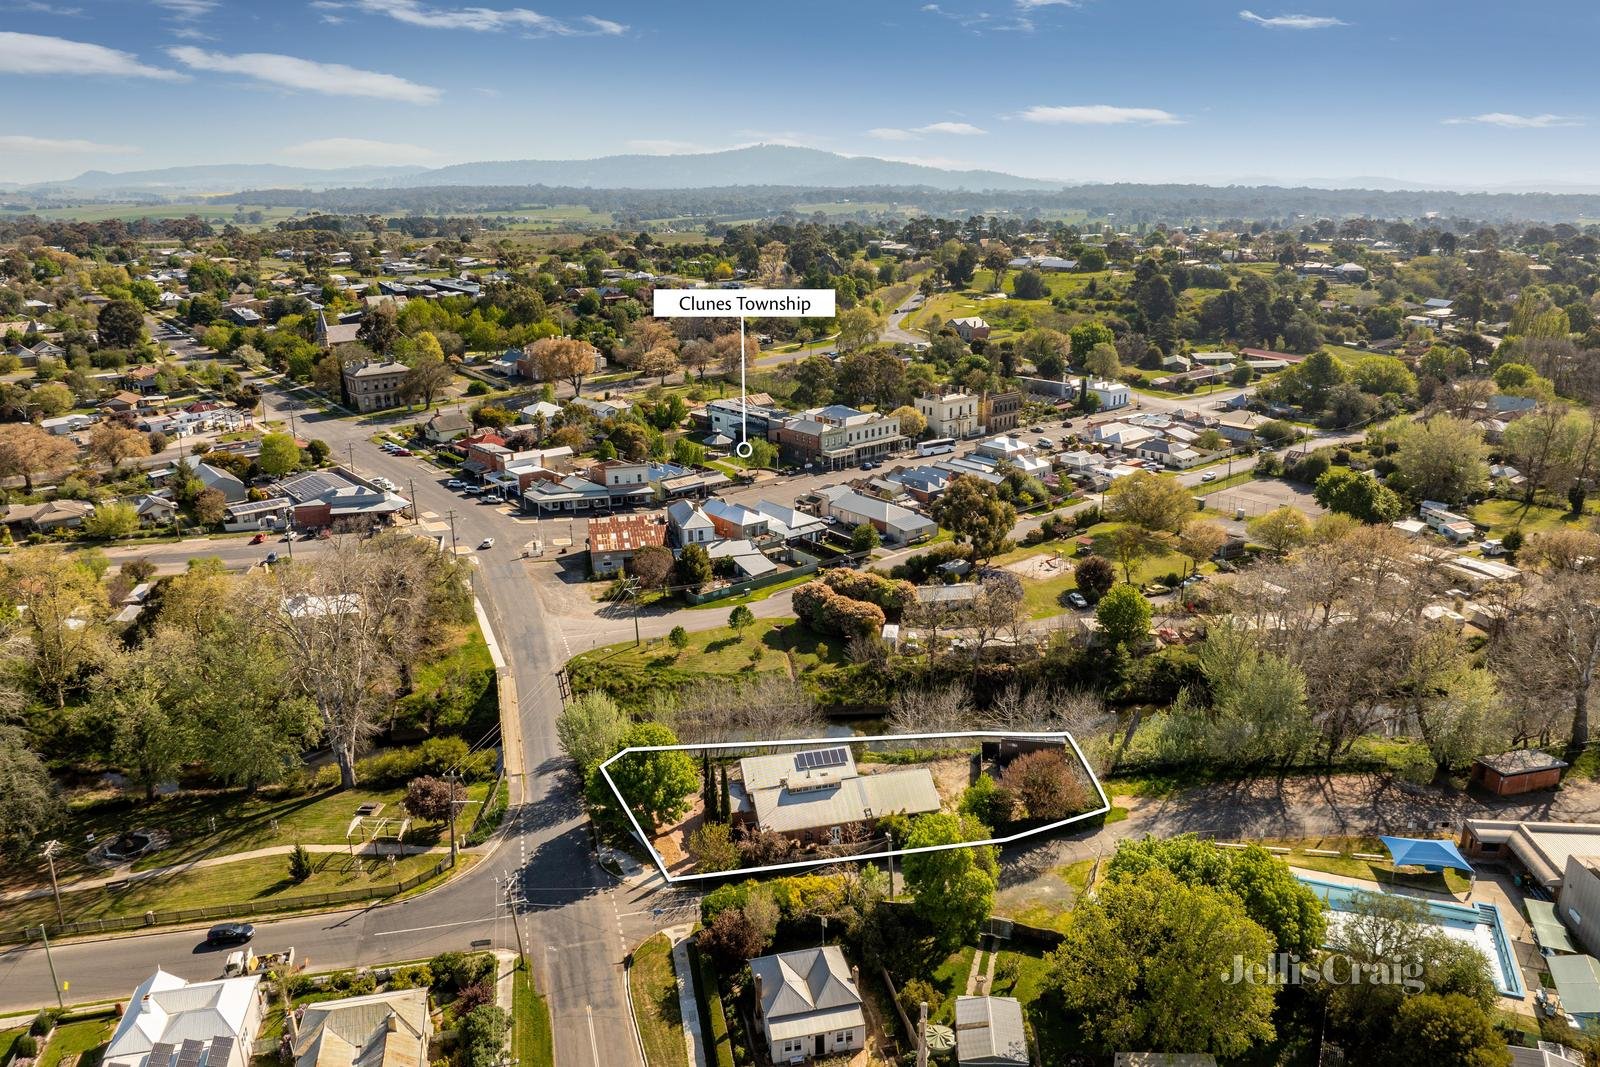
{"x": 531, "y": 1041}
{"x": 655, "y": 1004}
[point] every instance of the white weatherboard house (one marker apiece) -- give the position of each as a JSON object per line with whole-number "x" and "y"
{"x": 171, "y": 1022}
{"x": 808, "y": 1004}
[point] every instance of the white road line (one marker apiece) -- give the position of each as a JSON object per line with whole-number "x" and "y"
{"x": 594, "y": 1045}
{"x": 438, "y": 926}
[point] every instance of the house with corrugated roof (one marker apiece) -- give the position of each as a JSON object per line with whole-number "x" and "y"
{"x": 170, "y": 1022}
{"x": 376, "y": 1030}
{"x": 808, "y": 1004}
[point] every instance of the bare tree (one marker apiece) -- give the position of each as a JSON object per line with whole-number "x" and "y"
{"x": 344, "y": 621}
{"x": 767, "y": 706}
{"x": 937, "y": 709}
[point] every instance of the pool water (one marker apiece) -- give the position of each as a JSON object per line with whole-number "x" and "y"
{"x": 1478, "y": 925}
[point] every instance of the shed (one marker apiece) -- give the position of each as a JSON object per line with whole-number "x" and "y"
{"x": 1547, "y": 927}
{"x": 1522, "y": 770}
{"x": 1578, "y": 982}
{"x": 989, "y": 1032}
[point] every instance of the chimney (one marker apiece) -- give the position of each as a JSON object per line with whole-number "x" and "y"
{"x": 855, "y": 976}
{"x": 392, "y": 1023}
{"x": 758, "y": 990}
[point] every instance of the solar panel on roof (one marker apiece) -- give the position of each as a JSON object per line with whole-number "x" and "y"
{"x": 160, "y": 1054}
{"x": 221, "y": 1051}
{"x": 822, "y": 757}
{"x": 189, "y": 1053}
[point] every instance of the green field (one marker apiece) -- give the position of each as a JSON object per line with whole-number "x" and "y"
{"x": 655, "y": 1004}
{"x": 1503, "y": 516}
{"x": 1045, "y": 597}
{"x": 82, "y": 1041}
{"x": 722, "y": 651}
{"x": 210, "y": 211}
{"x": 256, "y": 881}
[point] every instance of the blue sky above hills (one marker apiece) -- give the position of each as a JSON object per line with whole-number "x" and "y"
{"x": 1456, "y": 94}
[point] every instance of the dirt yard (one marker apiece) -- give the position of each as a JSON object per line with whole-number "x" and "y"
{"x": 1040, "y": 568}
{"x": 673, "y": 841}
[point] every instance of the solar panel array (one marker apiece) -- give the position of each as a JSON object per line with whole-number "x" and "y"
{"x": 160, "y": 1054}
{"x": 822, "y": 757}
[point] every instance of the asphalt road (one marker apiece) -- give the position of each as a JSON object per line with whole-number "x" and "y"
{"x": 577, "y": 922}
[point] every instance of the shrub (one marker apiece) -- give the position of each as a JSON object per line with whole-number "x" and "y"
{"x": 918, "y": 992}
{"x": 25, "y": 1047}
{"x": 43, "y": 1023}
{"x": 454, "y": 971}
{"x": 1045, "y": 784}
{"x": 985, "y": 801}
{"x": 474, "y": 996}
{"x": 353, "y": 983}
{"x": 416, "y": 976}
{"x": 300, "y": 865}
{"x": 482, "y": 1031}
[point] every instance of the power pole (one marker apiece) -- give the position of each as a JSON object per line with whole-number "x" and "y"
{"x": 44, "y": 935}
{"x": 511, "y": 906}
{"x": 453, "y": 548}
{"x": 922, "y": 1035}
{"x": 415, "y": 518}
{"x": 453, "y": 778}
{"x": 630, "y": 589}
{"x": 350, "y": 451}
{"x": 50, "y": 850}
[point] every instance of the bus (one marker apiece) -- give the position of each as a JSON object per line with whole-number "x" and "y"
{"x": 937, "y": 446}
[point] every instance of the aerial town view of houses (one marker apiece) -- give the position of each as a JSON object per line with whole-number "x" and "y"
{"x": 1139, "y": 624}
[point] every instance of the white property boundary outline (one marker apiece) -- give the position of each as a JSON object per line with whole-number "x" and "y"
{"x": 1103, "y": 809}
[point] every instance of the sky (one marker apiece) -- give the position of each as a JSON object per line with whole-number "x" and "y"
{"x": 1448, "y": 93}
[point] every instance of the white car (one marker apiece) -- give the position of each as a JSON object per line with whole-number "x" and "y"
{"x": 487, "y": 542}
{"x": 1209, "y": 476}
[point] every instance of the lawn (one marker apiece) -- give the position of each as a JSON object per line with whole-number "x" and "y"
{"x": 1225, "y": 481}
{"x": 755, "y": 594}
{"x": 950, "y": 978}
{"x": 262, "y": 881}
{"x": 1045, "y": 597}
{"x": 655, "y": 1004}
{"x": 223, "y": 822}
{"x": 85, "y": 1039}
{"x": 628, "y": 671}
{"x": 7, "y": 1039}
{"x": 1503, "y": 516}
{"x": 531, "y": 1041}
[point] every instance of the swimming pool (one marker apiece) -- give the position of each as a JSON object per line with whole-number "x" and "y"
{"x": 1478, "y": 925}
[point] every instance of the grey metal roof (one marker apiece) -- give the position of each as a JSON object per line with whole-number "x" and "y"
{"x": 989, "y": 1031}
{"x": 807, "y": 991}
{"x": 1578, "y": 982}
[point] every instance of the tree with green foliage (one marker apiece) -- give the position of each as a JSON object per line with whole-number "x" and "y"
{"x": 1445, "y": 1031}
{"x": 678, "y": 638}
{"x": 985, "y": 801}
{"x": 1272, "y": 896}
{"x": 113, "y": 520}
{"x": 29, "y": 804}
{"x": 279, "y": 454}
{"x": 1152, "y": 502}
{"x": 740, "y": 619}
{"x": 1030, "y": 285}
{"x": 656, "y": 786}
{"x": 1103, "y": 361}
{"x": 1280, "y": 529}
{"x": 973, "y": 511}
{"x": 1047, "y": 350}
{"x": 864, "y": 538}
{"x": 120, "y": 324}
{"x": 694, "y": 567}
{"x": 952, "y": 889}
{"x": 300, "y": 865}
{"x": 1380, "y": 375}
{"x": 713, "y": 848}
{"x": 1124, "y": 617}
{"x": 481, "y": 1036}
{"x": 589, "y": 729}
{"x": 1144, "y": 964}
{"x": 1085, "y": 336}
{"x": 1358, "y": 495}
{"x": 1094, "y": 576}
{"x": 1442, "y": 459}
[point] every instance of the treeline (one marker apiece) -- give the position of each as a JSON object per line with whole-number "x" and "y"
{"x": 1128, "y": 203}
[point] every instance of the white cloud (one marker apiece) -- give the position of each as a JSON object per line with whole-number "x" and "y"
{"x": 1516, "y": 122}
{"x": 351, "y": 151}
{"x": 40, "y": 7}
{"x": 485, "y": 19}
{"x": 895, "y": 133}
{"x": 1292, "y": 22}
{"x": 59, "y": 146}
{"x": 1030, "y": 4}
{"x": 1099, "y": 115}
{"x": 289, "y": 72}
{"x": 188, "y": 9}
{"x": 28, "y": 53}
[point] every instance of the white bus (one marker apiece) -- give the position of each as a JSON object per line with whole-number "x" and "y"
{"x": 936, "y": 447}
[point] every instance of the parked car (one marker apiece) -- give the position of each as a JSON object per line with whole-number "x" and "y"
{"x": 1076, "y": 599}
{"x": 258, "y": 538}
{"x": 455, "y": 483}
{"x": 402, "y": 452}
{"x": 1046, "y": 444}
{"x": 230, "y": 934}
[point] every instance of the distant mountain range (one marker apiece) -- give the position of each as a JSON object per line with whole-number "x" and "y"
{"x": 755, "y": 165}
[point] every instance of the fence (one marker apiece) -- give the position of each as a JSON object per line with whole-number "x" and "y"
{"x": 243, "y": 908}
